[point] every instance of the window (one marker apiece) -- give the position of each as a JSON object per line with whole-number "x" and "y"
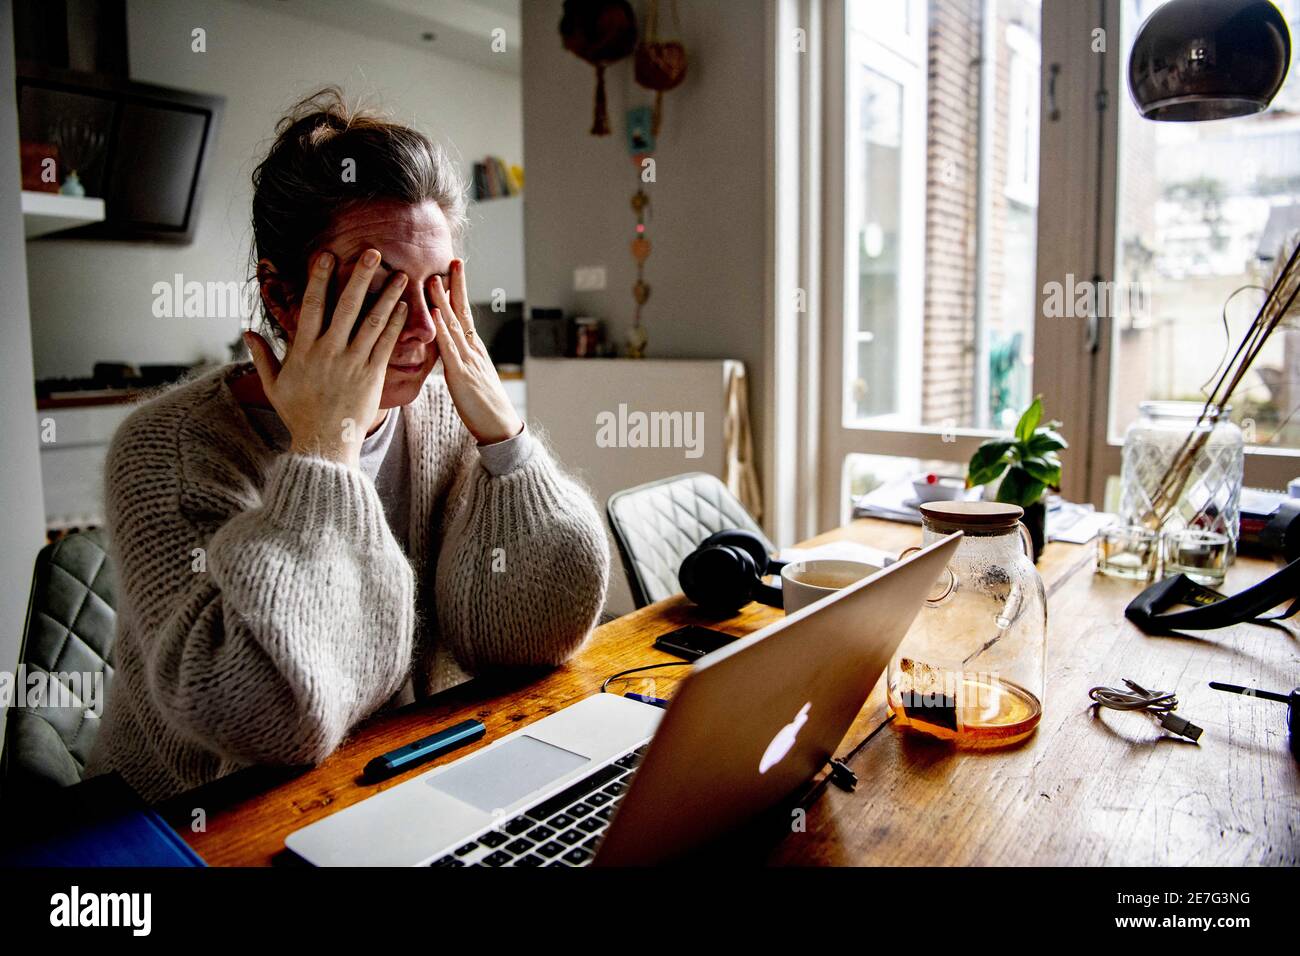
{"x": 1203, "y": 211}
{"x": 931, "y": 343}
{"x": 942, "y": 192}
{"x": 944, "y": 252}
{"x": 1022, "y": 117}
{"x": 886, "y": 204}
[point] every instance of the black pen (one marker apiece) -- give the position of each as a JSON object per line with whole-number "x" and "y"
{"x": 1292, "y": 701}
{"x": 424, "y": 749}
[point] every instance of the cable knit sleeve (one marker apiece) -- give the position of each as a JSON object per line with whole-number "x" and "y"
{"x": 522, "y": 567}
{"x": 264, "y": 624}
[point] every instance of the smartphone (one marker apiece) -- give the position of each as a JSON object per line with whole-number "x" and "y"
{"x": 693, "y": 642}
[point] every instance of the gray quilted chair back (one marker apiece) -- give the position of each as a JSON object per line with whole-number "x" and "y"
{"x": 657, "y": 525}
{"x": 70, "y": 627}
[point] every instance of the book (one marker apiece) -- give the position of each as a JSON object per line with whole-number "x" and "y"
{"x": 495, "y": 179}
{"x": 98, "y": 822}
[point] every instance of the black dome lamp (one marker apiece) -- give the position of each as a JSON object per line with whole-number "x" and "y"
{"x": 1209, "y": 59}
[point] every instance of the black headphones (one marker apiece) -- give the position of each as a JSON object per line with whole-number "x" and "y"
{"x": 725, "y": 572}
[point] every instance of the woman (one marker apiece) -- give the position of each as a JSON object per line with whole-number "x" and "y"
{"x": 302, "y": 542}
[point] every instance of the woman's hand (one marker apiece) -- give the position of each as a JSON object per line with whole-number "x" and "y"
{"x": 472, "y": 380}
{"x": 327, "y": 390}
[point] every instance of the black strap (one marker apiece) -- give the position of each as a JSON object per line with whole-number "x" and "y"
{"x": 1212, "y": 609}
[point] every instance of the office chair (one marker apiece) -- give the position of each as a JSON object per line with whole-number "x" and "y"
{"x": 71, "y": 623}
{"x": 658, "y": 524}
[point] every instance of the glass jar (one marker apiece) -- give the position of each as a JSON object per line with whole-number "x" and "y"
{"x": 586, "y": 337}
{"x": 1211, "y": 498}
{"x": 973, "y": 667}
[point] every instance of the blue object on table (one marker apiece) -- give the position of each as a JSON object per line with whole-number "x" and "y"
{"x": 647, "y": 699}
{"x": 424, "y": 750}
{"x": 100, "y": 822}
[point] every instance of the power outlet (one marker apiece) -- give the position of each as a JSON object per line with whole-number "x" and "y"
{"x": 589, "y": 279}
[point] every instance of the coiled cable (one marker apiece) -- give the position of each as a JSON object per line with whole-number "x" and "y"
{"x": 1159, "y": 703}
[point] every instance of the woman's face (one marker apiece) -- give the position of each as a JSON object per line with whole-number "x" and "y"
{"x": 415, "y": 240}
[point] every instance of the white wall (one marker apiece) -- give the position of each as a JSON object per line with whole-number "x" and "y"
{"x": 20, "y": 491}
{"x": 570, "y": 418}
{"x": 708, "y": 205}
{"x": 92, "y": 300}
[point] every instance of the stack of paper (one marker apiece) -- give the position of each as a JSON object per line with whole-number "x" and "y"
{"x": 1066, "y": 521}
{"x": 897, "y": 501}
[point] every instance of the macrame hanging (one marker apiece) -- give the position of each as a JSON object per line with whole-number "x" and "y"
{"x": 660, "y": 65}
{"x": 637, "y": 338}
{"x": 601, "y": 32}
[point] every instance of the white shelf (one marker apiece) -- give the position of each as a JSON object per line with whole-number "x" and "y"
{"x": 44, "y": 213}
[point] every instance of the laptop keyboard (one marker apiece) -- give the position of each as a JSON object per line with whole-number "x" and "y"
{"x": 560, "y": 831}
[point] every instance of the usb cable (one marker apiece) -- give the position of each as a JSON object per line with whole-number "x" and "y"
{"x": 1161, "y": 704}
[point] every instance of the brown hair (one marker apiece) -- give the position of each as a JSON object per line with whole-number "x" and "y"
{"x": 300, "y": 187}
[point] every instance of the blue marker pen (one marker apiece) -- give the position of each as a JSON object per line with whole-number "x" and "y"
{"x": 425, "y": 749}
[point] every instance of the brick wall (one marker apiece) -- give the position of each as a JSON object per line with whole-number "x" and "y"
{"x": 950, "y": 212}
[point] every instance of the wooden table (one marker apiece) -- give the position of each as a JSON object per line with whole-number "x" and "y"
{"x": 1087, "y": 788}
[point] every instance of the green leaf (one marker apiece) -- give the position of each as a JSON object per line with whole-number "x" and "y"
{"x": 1045, "y": 470}
{"x": 1029, "y": 420}
{"x": 1019, "y": 488}
{"x": 1046, "y": 440}
{"x": 990, "y": 452}
{"x": 989, "y": 461}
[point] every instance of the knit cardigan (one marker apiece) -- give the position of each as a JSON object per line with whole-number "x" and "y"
{"x": 265, "y": 607}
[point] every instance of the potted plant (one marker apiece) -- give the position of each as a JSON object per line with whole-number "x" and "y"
{"x": 1028, "y": 464}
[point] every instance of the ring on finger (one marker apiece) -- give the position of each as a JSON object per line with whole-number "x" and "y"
{"x": 467, "y": 323}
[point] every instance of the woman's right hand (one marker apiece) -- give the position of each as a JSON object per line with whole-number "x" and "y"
{"x": 327, "y": 390}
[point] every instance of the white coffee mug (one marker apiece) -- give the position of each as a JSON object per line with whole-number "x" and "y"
{"x": 803, "y": 582}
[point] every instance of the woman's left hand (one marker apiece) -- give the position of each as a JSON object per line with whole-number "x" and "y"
{"x": 472, "y": 379}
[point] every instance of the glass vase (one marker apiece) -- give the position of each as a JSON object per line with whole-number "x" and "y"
{"x": 1210, "y": 498}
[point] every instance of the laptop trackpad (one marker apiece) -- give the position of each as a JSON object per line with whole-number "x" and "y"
{"x": 497, "y": 778}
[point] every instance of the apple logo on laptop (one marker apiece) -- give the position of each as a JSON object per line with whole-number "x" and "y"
{"x": 783, "y": 742}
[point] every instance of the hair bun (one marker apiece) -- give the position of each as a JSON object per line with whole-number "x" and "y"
{"x": 300, "y": 186}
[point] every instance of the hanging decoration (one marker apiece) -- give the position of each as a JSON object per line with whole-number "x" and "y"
{"x": 641, "y": 147}
{"x": 601, "y": 32}
{"x": 640, "y": 133}
{"x": 660, "y": 65}
{"x": 637, "y": 340}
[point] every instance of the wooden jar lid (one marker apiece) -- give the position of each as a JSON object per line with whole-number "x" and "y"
{"x": 976, "y": 515}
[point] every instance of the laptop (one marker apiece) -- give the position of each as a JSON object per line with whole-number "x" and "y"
{"x": 613, "y": 781}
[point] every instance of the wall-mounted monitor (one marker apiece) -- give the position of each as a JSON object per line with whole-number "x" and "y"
{"x": 143, "y": 149}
